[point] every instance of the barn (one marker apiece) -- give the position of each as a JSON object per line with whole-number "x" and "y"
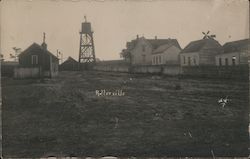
{"x": 36, "y": 61}
{"x": 69, "y": 65}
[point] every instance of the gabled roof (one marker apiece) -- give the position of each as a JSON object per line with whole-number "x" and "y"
{"x": 131, "y": 44}
{"x": 238, "y": 45}
{"x": 155, "y": 43}
{"x": 198, "y": 45}
{"x": 70, "y": 59}
{"x": 36, "y": 46}
{"x": 158, "y": 42}
{"x": 162, "y": 48}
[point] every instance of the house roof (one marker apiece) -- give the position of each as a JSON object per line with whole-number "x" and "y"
{"x": 70, "y": 59}
{"x": 155, "y": 43}
{"x": 131, "y": 44}
{"x": 37, "y": 46}
{"x": 236, "y": 45}
{"x": 158, "y": 42}
{"x": 198, "y": 45}
{"x": 162, "y": 48}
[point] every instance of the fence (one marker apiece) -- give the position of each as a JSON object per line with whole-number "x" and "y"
{"x": 113, "y": 68}
{"x": 7, "y": 68}
{"x": 21, "y": 73}
{"x": 230, "y": 72}
{"x": 112, "y": 65}
{"x": 125, "y": 67}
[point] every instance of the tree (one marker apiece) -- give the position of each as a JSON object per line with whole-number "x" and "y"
{"x": 17, "y": 52}
{"x": 1, "y": 57}
{"x": 126, "y": 54}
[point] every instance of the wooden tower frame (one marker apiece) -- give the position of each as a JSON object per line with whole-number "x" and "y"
{"x": 87, "y": 48}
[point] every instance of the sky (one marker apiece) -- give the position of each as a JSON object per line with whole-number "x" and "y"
{"x": 114, "y": 22}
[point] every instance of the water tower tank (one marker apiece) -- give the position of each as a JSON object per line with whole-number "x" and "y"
{"x": 86, "y": 27}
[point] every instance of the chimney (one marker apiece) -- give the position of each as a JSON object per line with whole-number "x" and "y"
{"x": 155, "y": 37}
{"x": 44, "y": 45}
{"x": 137, "y": 36}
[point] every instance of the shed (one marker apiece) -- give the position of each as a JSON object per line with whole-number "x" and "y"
{"x": 69, "y": 65}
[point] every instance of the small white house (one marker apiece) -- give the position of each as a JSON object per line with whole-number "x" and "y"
{"x": 235, "y": 53}
{"x": 200, "y": 52}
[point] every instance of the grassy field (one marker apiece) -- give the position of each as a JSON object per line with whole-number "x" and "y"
{"x": 165, "y": 116}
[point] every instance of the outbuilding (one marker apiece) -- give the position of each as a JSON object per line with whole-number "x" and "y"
{"x": 69, "y": 65}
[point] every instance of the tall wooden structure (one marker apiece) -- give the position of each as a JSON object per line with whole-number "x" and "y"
{"x": 86, "y": 49}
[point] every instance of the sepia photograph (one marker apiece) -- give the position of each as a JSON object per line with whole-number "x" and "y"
{"x": 116, "y": 79}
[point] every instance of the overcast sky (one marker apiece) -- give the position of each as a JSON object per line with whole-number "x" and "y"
{"x": 116, "y": 22}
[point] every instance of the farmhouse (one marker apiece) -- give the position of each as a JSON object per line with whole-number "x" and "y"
{"x": 37, "y": 61}
{"x": 69, "y": 65}
{"x": 235, "y": 53}
{"x": 166, "y": 54}
{"x": 139, "y": 51}
{"x": 200, "y": 52}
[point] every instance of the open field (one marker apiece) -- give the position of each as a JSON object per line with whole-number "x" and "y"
{"x": 166, "y": 116}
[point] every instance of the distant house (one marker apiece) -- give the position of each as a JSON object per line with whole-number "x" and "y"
{"x": 139, "y": 51}
{"x": 235, "y": 53}
{"x": 37, "y": 61}
{"x": 200, "y": 52}
{"x": 166, "y": 54}
{"x": 69, "y": 65}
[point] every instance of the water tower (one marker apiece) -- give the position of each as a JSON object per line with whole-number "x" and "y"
{"x": 87, "y": 49}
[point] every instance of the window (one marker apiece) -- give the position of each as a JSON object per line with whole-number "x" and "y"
{"x": 189, "y": 61}
{"x": 159, "y": 59}
{"x": 143, "y": 48}
{"x": 194, "y": 61}
{"x": 220, "y": 62}
{"x": 233, "y": 60}
{"x": 226, "y": 61}
{"x": 34, "y": 59}
{"x": 184, "y": 60}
